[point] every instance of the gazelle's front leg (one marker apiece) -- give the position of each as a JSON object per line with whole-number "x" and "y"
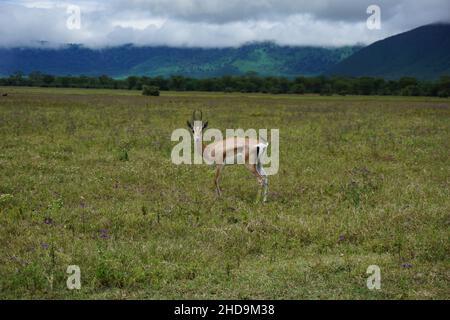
{"x": 265, "y": 184}
{"x": 219, "y": 168}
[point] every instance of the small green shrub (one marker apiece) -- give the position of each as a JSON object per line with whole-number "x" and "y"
{"x": 150, "y": 90}
{"x": 123, "y": 155}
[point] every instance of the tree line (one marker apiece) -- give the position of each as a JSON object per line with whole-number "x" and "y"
{"x": 251, "y": 82}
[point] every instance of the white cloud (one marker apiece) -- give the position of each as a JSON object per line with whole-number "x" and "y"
{"x": 140, "y": 24}
{"x": 211, "y": 23}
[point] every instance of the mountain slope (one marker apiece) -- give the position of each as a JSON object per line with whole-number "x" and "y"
{"x": 264, "y": 58}
{"x": 423, "y": 53}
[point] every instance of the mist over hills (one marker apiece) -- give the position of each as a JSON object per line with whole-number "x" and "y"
{"x": 423, "y": 53}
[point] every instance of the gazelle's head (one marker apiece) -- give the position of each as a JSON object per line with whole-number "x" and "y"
{"x": 197, "y": 125}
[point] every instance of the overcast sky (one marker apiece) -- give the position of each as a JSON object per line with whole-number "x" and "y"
{"x": 211, "y": 23}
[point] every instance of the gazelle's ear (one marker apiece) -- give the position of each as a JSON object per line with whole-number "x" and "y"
{"x": 189, "y": 124}
{"x": 205, "y": 125}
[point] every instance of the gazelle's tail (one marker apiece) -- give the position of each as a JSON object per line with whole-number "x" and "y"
{"x": 261, "y": 148}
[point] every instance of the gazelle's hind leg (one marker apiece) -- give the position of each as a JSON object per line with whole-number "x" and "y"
{"x": 219, "y": 168}
{"x": 263, "y": 173}
{"x": 262, "y": 180}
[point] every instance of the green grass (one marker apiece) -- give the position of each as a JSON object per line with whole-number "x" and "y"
{"x": 362, "y": 181}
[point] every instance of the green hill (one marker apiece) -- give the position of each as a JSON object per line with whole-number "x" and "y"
{"x": 423, "y": 53}
{"x": 266, "y": 58}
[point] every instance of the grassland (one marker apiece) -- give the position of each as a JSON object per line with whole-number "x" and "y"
{"x": 86, "y": 179}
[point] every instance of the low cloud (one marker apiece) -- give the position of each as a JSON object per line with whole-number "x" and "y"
{"x": 211, "y": 23}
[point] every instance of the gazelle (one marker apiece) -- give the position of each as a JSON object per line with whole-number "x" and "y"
{"x": 228, "y": 151}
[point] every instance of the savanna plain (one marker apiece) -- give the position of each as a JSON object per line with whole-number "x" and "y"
{"x": 86, "y": 179}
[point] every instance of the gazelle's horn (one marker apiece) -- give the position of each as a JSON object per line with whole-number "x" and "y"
{"x": 194, "y": 114}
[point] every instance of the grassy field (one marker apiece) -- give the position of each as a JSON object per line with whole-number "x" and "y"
{"x": 86, "y": 179}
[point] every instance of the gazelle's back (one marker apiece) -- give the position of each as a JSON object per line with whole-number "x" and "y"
{"x": 233, "y": 150}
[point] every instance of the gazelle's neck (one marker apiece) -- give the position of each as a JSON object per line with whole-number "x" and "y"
{"x": 199, "y": 147}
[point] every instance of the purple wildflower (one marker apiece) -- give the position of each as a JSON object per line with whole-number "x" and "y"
{"x": 104, "y": 234}
{"x": 341, "y": 238}
{"x": 407, "y": 265}
{"x": 44, "y": 245}
{"x": 48, "y": 220}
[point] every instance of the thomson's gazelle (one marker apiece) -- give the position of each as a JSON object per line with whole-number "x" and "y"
{"x": 228, "y": 151}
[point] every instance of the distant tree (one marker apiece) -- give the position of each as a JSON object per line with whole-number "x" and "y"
{"x": 411, "y": 90}
{"x": 177, "y": 83}
{"x": 36, "y": 78}
{"x": 284, "y": 85}
{"x": 16, "y": 79}
{"x": 48, "y": 80}
{"x": 444, "y": 93}
{"x": 326, "y": 90}
{"x": 443, "y": 84}
{"x": 249, "y": 82}
{"x": 365, "y": 86}
{"x": 314, "y": 85}
{"x": 83, "y": 81}
{"x": 160, "y": 82}
{"x": 207, "y": 85}
{"x": 406, "y": 82}
{"x": 341, "y": 86}
{"x": 131, "y": 82}
{"x": 105, "y": 81}
{"x": 298, "y": 88}
{"x": 65, "y": 82}
{"x": 392, "y": 87}
{"x": 275, "y": 89}
{"x": 378, "y": 86}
